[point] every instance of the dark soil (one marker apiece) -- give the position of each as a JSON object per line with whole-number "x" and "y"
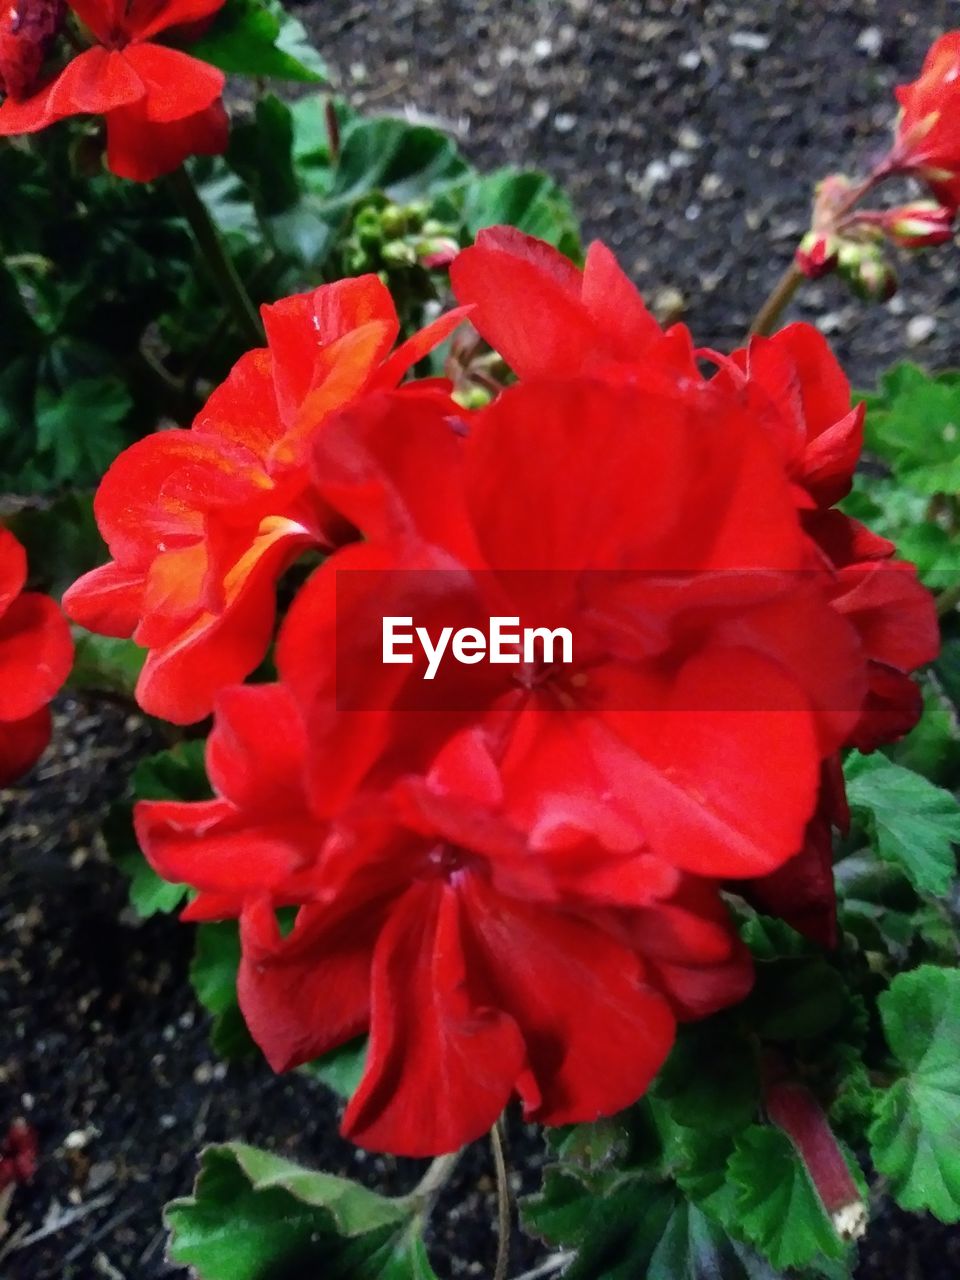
{"x": 689, "y": 134}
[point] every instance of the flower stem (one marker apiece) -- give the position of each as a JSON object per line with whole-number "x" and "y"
{"x": 777, "y": 301}
{"x": 503, "y": 1204}
{"x": 216, "y": 257}
{"x": 948, "y": 599}
{"x": 434, "y": 1180}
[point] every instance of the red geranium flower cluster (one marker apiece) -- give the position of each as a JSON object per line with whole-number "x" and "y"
{"x": 927, "y": 142}
{"x": 36, "y": 653}
{"x": 513, "y": 880}
{"x": 160, "y": 105}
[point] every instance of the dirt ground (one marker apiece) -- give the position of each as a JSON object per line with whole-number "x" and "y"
{"x": 689, "y": 135}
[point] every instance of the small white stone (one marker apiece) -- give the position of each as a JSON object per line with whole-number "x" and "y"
{"x": 541, "y": 48}
{"x": 919, "y": 329}
{"x": 564, "y": 122}
{"x": 752, "y": 41}
{"x": 870, "y": 41}
{"x": 690, "y": 60}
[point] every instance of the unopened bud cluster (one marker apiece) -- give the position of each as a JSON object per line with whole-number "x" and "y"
{"x": 390, "y": 238}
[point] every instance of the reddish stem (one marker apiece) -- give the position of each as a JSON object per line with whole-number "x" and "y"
{"x": 794, "y": 1109}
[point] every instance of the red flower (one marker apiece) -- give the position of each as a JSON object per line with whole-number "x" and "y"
{"x": 36, "y": 653}
{"x": 695, "y": 715}
{"x": 927, "y": 142}
{"x": 808, "y": 397}
{"x": 548, "y": 319}
{"x": 160, "y": 105}
{"x": 808, "y": 401}
{"x": 481, "y": 965}
{"x": 27, "y": 29}
{"x": 202, "y": 522}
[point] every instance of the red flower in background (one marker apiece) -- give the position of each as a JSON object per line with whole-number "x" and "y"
{"x": 547, "y": 318}
{"x": 36, "y": 653}
{"x": 160, "y": 105}
{"x": 202, "y": 522}
{"x": 927, "y": 142}
{"x": 27, "y": 30}
{"x": 808, "y": 398}
{"x": 480, "y": 965}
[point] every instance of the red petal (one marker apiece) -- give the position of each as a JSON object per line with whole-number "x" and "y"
{"x": 441, "y": 1065}
{"x": 108, "y": 600}
{"x": 211, "y": 847}
{"x": 308, "y": 993}
{"x": 256, "y": 751}
{"x": 527, "y": 303}
{"x": 141, "y": 150}
{"x": 95, "y": 82}
{"x": 22, "y": 742}
{"x": 613, "y": 301}
{"x": 146, "y": 18}
{"x": 13, "y": 567}
{"x": 177, "y": 86}
{"x": 595, "y": 1033}
{"x": 36, "y": 653}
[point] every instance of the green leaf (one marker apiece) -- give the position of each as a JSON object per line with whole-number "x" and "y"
{"x": 724, "y": 1097}
{"x": 776, "y": 1203}
{"x": 341, "y": 1069}
{"x": 932, "y": 747}
{"x": 261, "y": 151}
{"x": 258, "y": 38}
{"x": 406, "y": 162}
{"x": 915, "y": 1139}
{"x": 636, "y": 1229}
{"x": 525, "y": 199}
{"x": 213, "y": 975}
{"x": 256, "y": 1216}
{"x": 106, "y": 663}
{"x": 910, "y": 821}
{"x": 176, "y": 774}
{"x": 80, "y": 426}
{"x": 913, "y": 421}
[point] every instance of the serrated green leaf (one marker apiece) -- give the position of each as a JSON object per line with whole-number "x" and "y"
{"x": 259, "y": 38}
{"x": 79, "y": 426}
{"x": 777, "y": 1205}
{"x": 913, "y": 421}
{"x": 915, "y": 1139}
{"x": 710, "y": 1080}
{"x": 257, "y": 1216}
{"x": 911, "y": 822}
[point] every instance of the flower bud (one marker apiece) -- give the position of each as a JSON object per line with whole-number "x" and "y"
{"x": 437, "y": 252}
{"x": 393, "y": 221}
{"x": 27, "y": 29}
{"x": 922, "y": 223}
{"x": 867, "y": 271}
{"x": 817, "y": 254}
{"x": 399, "y": 253}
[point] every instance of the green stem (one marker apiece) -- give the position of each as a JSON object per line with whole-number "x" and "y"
{"x": 948, "y": 599}
{"x": 216, "y": 257}
{"x": 777, "y": 301}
